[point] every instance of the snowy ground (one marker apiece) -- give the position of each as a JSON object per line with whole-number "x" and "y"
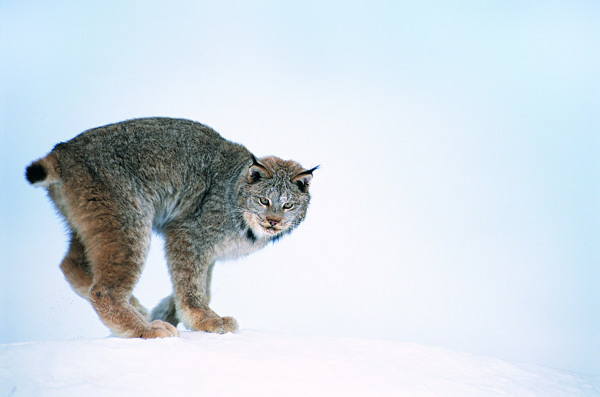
{"x": 254, "y": 363}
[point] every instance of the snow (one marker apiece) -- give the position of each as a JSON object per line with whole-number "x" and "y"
{"x": 260, "y": 363}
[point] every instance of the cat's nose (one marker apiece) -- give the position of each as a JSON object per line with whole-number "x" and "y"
{"x": 272, "y": 222}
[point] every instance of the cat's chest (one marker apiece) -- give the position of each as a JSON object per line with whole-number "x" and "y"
{"x": 236, "y": 246}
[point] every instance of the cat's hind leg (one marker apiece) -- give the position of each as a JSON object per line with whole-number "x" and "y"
{"x": 76, "y": 268}
{"x": 78, "y": 272}
{"x": 166, "y": 310}
{"x": 117, "y": 265}
{"x": 115, "y": 248}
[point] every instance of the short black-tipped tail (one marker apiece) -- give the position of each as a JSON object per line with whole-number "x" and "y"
{"x": 35, "y": 173}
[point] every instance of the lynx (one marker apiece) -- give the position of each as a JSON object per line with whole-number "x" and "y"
{"x": 210, "y": 198}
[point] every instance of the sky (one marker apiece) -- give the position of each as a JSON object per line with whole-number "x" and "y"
{"x": 457, "y": 200}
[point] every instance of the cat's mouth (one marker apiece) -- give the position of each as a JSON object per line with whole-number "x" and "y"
{"x": 272, "y": 230}
{"x": 269, "y": 227}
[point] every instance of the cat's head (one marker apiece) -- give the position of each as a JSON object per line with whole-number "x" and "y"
{"x": 274, "y": 196}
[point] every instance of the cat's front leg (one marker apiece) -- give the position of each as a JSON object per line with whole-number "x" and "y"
{"x": 190, "y": 265}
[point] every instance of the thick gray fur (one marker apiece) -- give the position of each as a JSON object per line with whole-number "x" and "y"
{"x": 209, "y": 198}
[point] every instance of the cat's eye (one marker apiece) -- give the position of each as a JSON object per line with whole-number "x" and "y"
{"x": 264, "y": 201}
{"x": 288, "y": 206}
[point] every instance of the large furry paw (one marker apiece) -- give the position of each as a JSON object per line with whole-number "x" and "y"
{"x": 218, "y": 325}
{"x": 208, "y": 321}
{"x": 159, "y": 329}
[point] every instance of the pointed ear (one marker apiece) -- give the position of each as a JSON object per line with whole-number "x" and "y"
{"x": 302, "y": 180}
{"x": 257, "y": 171}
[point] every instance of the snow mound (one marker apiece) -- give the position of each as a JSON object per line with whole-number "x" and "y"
{"x": 255, "y": 363}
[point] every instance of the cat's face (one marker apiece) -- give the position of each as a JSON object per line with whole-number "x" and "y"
{"x": 275, "y": 196}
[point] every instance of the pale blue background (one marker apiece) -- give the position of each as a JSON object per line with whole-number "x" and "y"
{"x": 458, "y": 200}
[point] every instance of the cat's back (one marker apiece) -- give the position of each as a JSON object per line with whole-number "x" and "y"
{"x": 151, "y": 134}
{"x": 150, "y": 154}
{"x": 147, "y": 143}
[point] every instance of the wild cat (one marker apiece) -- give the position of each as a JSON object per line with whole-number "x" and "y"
{"x": 210, "y": 198}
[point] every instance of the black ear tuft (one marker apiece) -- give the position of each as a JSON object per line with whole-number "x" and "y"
{"x": 35, "y": 173}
